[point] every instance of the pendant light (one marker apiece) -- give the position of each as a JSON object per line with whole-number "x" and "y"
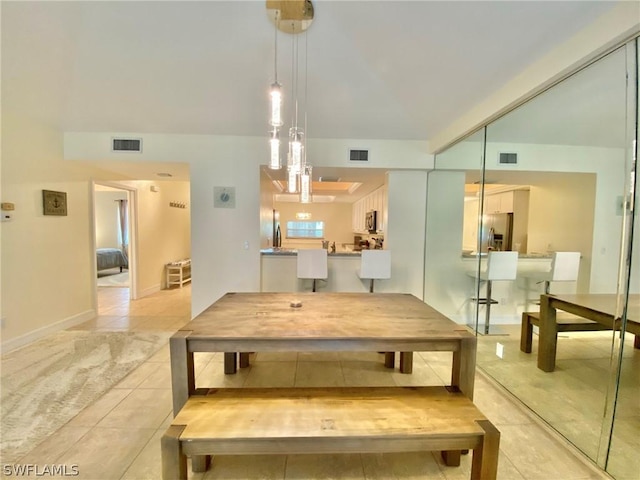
{"x": 275, "y": 96}
{"x": 293, "y": 17}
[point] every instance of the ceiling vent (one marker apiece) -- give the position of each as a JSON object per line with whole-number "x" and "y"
{"x": 508, "y": 159}
{"x": 359, "y": 155}
{"x": 126, "y": 145}
{"x": 328, "y": 179}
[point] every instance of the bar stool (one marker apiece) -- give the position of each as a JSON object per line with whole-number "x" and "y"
{"x": 312, "y": 264}
{"x": 501, "y": 266}
{"x": 565, "y": 267}
{"x": 375, "y": 264}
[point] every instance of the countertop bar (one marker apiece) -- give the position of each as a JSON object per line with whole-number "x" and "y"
{"x": 542, "y": 256}
{"x": 293, "y": 251}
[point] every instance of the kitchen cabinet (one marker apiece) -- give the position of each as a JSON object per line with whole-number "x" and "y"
{"x": 499, "y": 203}
{"x": 376, "y": 200}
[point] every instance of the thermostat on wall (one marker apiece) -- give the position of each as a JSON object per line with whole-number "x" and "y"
{"x": 224, "y": 197}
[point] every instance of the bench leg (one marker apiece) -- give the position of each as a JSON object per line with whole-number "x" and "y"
{"x": 484, "y": 465}
{"x": 200, "y": 463}
{"x": 526, "y": 334}
{"x": 390, "y": 359}
{"x": 174, "y": 462}
{"x": 244, "y": 359}
{"x": 451, "y": 458}
{"x": 230, "y": 360}
{"x": 406, "y": 362}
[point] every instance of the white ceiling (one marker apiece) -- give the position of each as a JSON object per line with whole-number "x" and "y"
{"x": 382, "y": 70}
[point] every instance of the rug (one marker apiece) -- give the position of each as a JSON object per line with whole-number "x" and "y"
{"x": 114, "y": 280}
{"x": 47, "y": 383}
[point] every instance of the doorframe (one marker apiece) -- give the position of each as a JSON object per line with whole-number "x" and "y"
{"x": 132, "y": 197}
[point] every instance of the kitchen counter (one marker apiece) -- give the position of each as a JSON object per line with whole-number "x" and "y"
{"x": 543, "y": 256}
{"x": 293, "y": 252}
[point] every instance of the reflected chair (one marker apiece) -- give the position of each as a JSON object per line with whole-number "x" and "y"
{"x": 501, "y": 266}
{"x": 374, "y": 265}
{"x": 312, "y": 264}
{"x": 565, "y": 267}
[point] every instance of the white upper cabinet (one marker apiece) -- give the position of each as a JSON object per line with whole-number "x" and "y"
{"x": 499, "y": 203}
{"x": 376, "y": 200}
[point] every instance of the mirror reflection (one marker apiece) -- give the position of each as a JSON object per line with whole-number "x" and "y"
{"x": 540, "y": 198}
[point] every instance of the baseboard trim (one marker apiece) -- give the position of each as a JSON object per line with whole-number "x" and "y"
{"x": 149, "y": 291}
{"x": 39, "y": 333}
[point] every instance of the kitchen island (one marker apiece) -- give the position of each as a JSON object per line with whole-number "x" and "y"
{"x": 279, "y": 274}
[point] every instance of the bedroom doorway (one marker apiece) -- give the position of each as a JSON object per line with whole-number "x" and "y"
{"x": 114, "y": 239}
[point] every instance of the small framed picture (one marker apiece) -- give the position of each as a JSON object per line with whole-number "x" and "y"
{"x": 54, "y": 203}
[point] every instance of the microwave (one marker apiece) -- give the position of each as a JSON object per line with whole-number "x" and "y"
{"x": 371, "y": 221}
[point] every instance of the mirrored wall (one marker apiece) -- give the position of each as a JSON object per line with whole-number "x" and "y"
{"x": 530, "y": 229}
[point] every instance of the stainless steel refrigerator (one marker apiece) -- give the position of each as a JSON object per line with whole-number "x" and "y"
{"x": 497, "y": 232}
{"x": 277, "y": 233}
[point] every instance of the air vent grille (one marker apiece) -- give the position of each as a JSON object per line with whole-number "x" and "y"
{"x": 359, "y": 155}
{"x": 508, "y": 158}
{"x": 127, "y": 145}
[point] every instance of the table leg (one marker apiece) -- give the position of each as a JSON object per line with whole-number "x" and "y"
{"x": 230, "y": 362}
{"x": 244, "y": 359}
{"x": 406, "y": 362}
{"x": 547, "y": 335}
{"x": 200, "y": 463}
{"x": 183, "y": 382}
{"x": 390, "y": 359}
{"x": 463, "y": 370}
{"x": 451, "y": 458}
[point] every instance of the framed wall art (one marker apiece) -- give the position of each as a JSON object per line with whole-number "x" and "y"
{"x": 54, "y": 203}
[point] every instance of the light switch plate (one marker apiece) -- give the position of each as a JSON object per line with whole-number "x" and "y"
{"x": 224, "y": 197}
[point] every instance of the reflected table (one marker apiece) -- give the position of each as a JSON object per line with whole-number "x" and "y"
{"x": 601, "y": 308}
{"x": 371, "y": 322}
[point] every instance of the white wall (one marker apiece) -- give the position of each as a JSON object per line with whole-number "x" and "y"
{"x": 164, "y": 232}
{"x": 407, "y": 193}
{"x": 221, "y": 263}
{"x": 106, "y": 218}
{"x": 47, "y": 261}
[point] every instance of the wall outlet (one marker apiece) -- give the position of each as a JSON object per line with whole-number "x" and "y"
{"x": 499, "y": 350}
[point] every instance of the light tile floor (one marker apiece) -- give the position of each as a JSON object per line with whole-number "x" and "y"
{"x": 118, "y": 436}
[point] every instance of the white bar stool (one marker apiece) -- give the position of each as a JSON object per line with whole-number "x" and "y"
{"x": 501, "y": 266}
{"x": 565, "y": 267}
{"x": 312, "y": 264}
{"x": 374, "y": 265}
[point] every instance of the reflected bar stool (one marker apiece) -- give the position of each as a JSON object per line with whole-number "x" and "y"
{"x": 501, "y": 266}
{"x": 312, "y": 264}
{"x": 374, "y": 265}
{"x": 564, "y": 268}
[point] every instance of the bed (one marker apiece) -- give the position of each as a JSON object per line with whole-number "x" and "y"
{"x": 110, "y": 258}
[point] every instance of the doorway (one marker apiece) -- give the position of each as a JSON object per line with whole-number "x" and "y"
{"x": 114, "y": 242}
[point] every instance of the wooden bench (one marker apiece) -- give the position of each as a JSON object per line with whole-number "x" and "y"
{"x": 565, "y": 323}
{"x": 330, "y": 420}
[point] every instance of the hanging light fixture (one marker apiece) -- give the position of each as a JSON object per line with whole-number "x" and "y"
{"x": 294, "y": 17}
{"x": 275, "y": 96}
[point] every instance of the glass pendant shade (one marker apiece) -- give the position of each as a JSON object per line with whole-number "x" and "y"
{"x": 276, "y": 105}
{"x": 296, "y": 147}
{"x": 274, "y": 161}
{"x": 305, "y": 184}
{"x": 292, "y": 180}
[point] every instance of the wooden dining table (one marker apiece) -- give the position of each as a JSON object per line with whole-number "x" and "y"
{"x": 313, "y": 322}
{"x": 604, "y": 309}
